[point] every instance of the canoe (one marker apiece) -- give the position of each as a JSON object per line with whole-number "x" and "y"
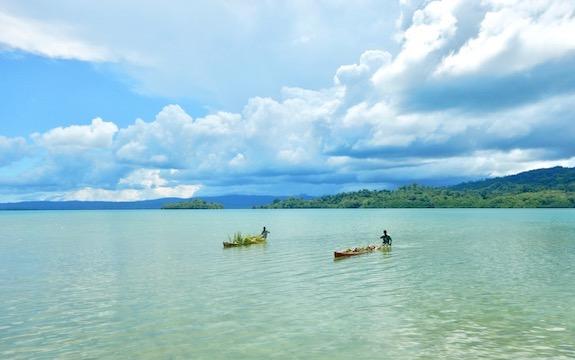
{"x": 359, "y": 251}
{"x": 246, "y": 241}
{"x": 231, "y": 244}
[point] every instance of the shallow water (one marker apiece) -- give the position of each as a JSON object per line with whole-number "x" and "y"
{"x": 458, "y": 283}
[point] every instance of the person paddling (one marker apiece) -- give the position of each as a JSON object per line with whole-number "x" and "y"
{"x": 265, "y": 233}
{"x": 386, "y": 239}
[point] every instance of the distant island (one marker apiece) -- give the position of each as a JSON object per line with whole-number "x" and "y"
{"x": 542, "y": 188}
{"x": 192, "y": 204}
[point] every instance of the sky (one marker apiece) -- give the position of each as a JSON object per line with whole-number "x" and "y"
{"x": 138, "y": 100}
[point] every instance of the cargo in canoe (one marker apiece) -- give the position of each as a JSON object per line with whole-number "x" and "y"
{"x": 359, "y": 251}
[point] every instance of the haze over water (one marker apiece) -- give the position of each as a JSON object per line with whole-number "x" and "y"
{"x": 458, "y": 283}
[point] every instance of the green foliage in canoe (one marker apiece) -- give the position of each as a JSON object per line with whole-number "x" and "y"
{"x": 192, "y": 204}
{"x": 240, "y": 240}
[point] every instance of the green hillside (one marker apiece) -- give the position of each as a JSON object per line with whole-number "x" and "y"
{"x": 557, "y": 178}
{"x": 544, "y": 188}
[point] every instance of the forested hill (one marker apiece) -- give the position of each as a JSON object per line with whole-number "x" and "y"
{"x": 192, "y": 204}
{"x": 557, "y": 178}
{"x": 544, "y": 188}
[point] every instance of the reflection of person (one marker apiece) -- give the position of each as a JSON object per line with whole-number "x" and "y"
{"x": 265, "y": 233}
{"x": 386, "y": 239}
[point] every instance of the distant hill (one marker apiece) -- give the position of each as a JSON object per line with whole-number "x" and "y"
{"x": 228, "y": 201}
{"x": 543, "y": 188}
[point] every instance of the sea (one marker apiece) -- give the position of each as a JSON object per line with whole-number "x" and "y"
{"x": 158, "y": 284}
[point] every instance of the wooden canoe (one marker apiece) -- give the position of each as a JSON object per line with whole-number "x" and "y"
{"x": 359, "y": 251}
{"x": 251, "y": 240}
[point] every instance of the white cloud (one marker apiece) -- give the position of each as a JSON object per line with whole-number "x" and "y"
{"x": 99, "y": 134}
{"x": 266, "y": 135}
{"x": 140, "y": 184}
{"x": 369, "y": 62}
{"x": 431, "y": 29}
{"x": 47, "y": 40}
{"x": 146, "y": 178}
{"x": 514, "y": 36}
{"x": 489, "y": 163}
{"x": 174, "y": 139}
{"x": 292, "y": 142}
{"x": 94, "y": 194}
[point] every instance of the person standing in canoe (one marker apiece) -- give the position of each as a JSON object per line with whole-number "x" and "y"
{"x": 265, "y": 233}
{"x": 386, "y": 239}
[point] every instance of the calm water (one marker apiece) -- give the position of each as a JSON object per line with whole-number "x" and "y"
{"x": 494, "y": 284}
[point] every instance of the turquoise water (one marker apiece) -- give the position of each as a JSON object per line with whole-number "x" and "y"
{"x": 458, "y": 284}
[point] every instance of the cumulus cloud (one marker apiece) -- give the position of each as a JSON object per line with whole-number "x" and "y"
{"x": 425, "y": 106}
{"x": 481, "y": 55}
{"x": 267, "y": 135}
{"x": 434, "y": 112}
{"x": 99, "y": 134}
{"x": 514, "y": 36}
{"x": 175, "y": 140}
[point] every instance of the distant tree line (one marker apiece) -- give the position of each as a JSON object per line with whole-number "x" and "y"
{"x": 415, "y": 196}
{"x": 542, "y": 188}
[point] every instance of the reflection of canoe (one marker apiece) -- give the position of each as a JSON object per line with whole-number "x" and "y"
{"x": 359, "y": 251}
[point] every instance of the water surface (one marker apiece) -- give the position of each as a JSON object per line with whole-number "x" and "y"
{"x": 492, "y": 284}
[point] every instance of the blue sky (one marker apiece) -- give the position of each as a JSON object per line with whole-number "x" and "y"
{"x": 138, "y": 100}
{"x": 39, "y": 94}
